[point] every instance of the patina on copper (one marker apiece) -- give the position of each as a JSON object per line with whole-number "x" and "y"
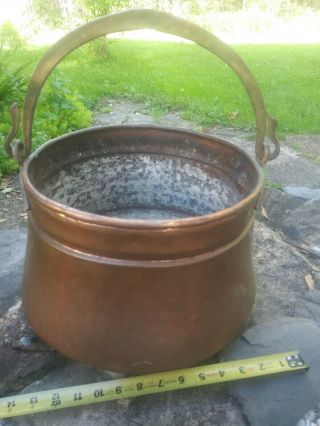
{"x": 138, "y": 255}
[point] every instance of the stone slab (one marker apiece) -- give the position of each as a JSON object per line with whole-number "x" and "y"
{"x": 23, "y": 357}
{"x": 304, "y": 224}
{"x": 309, "y": 306}
{"x": 289, "y": 168}
{"x": 279, "y": 271}
{"x": 12, "y": 251}
{"x": 278, "y": 206}
{"x": 283, "y": 399}
{"x": 301, "y": 191}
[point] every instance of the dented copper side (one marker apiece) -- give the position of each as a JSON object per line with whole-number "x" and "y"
{"x": 138, "y": 255}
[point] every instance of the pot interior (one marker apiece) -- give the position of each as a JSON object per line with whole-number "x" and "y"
{"x": 142, "y": 173}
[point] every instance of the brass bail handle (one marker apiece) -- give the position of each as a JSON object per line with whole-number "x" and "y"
{"x": 135, "y": 20}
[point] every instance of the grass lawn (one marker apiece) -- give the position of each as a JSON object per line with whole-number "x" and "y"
{"x": 186, "y": 77}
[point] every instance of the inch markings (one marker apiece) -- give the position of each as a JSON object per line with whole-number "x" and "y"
{"x": 75, "y": 396}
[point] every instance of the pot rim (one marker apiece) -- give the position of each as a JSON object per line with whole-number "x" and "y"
{"x": 66, "y": 212}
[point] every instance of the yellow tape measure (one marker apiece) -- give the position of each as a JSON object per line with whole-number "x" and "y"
{"x": 75, "y": 396}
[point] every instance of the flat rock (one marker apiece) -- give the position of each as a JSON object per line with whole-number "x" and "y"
{"x": 278, "y": 400}
{"x": 139, "y": 118}
{"x": 279, "y": 205}
{"x": 303, "y": 224}
{"x": 12, "y": 250}
{"x": 237, "y": 137}
{"x": 279, "y": 271}
{"x": 23, "y": 357}
{"x": 307, "y": 145}
{"x": 301, "y": 191}
{"x": 311, "y": 418}
{"x": 289, "y": 168}
{"x": 173, "y": 119}
{"x": 207, "y": 406}
{"x": 309, "y": 306}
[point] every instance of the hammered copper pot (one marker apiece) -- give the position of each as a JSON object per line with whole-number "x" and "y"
{"x": 138, "y": 255}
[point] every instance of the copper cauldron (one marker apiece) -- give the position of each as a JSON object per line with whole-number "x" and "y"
{"x": 138, "y": 255}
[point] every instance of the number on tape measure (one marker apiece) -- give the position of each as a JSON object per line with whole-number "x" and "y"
{"x": 98, "y": 393}
{"x": 152, "y": 383}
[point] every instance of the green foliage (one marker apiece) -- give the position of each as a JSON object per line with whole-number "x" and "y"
{"x": 184, "y": 77}
{"x": 61, "y": 110}
{"x": 10, "y": 37}
{"x": 7, "y": 164}
{"x": 59, "y": 14}
{"x": 274, "y": 185}
{"x": 91, "y": 9}
{"x": 96, "y": 50}
{"x": 51, "y": 12}
{"x": 12, "y": 80}
{"x": 12, "y": 85}
{"x": 177, "y": 76}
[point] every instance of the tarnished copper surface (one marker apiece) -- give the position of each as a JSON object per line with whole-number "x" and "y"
{"x": 138, "y": 255}
{"x": 138, "y": 295}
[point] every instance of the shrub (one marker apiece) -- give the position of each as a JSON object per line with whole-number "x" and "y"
{"x": 12, "y": 85}
{"x": 61, "y": 110}
{"x": 10, "y": 38}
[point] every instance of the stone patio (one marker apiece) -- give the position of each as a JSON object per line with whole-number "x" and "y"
{"x": 286, "y": 250}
